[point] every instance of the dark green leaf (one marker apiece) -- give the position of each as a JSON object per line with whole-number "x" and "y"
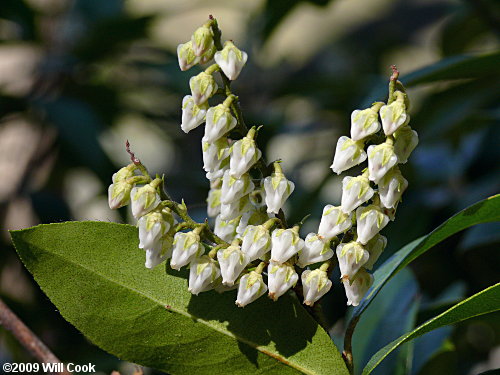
{"x": 93, "y": 272}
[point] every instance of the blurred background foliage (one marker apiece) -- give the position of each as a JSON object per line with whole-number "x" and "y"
{"x": 79, "y": 77}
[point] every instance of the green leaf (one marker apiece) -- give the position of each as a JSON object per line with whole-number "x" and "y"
{"x": 484, "y": 211}
{"x": 481, "y": 303}
{"x": 93, "y": 272}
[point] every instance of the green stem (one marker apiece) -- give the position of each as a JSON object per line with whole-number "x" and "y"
{"x": 392, "y": 83}
{"x": 347, "y": 353}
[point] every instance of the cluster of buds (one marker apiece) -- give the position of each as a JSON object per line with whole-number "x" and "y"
{"x": 369, "y": 201}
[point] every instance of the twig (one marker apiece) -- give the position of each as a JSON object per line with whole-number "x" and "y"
{"x": 26, "y": 337}
{"x": 347, "y": 353}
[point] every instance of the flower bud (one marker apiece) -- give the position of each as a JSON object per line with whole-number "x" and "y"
{"x": 280, "y": 278}
{"x": 391, "y": 188}
{"x": 251, "y": 287}
{"x": 192, "y": 115}
{"x": 277, "y": 189}
{"x": 213, "y": 202}
{"x": 187, "y": 246}
{"x": 351, "y": 257}
{"x": 231, "y": 60}
{"x": 406, "y": 139}
{"x": 235, "y": 188}
{"x": 356, "y": 289}
{"x": 229, "y": 211}
{"x": 381, "y": 158}
{"x": 208, "y": 55}
{"x": 375, "y": 247}
{"x": 202, "y": 40}
{"x": 244, "y": 154}
{"x": 119, "y": 194}
{"x": 256, "y": 241}
{"x": 124, "y": 173}
{"x": 348, "y": 153}
{"x": 333, "y": 221}
{"x": 215, "y": 156}
{"x": 316, "y": 249}
{"x": 285, "y": 244}
{"x": 316, "y": 284}
{"x": 364, "y": 122}
{"x": 161, "y": 251}
{"x": 219, "y": 122}
{"x": 186, "y": 56}
{"x": 144, "y": 199}
{"x": 203, "y": 271}
{"x": 153, "y": 226}
{"x": 355, "y": 192}
{"x": 226, "y": 229}
{"x": 203, "y": 87}
{"x": 394, "y": 115}
{"x": 232, "y": 262}
{"x": 255, "y": 216}
{"x": 370, "y": 221}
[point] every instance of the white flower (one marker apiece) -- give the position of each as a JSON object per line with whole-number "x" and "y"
{"x": 356, "y": 289}
{"x": 280, "y": 278}
{"x": 351, "y": 257}
{"x": 394, "y": 115}
{"x": 119, "y": 194}
{"x": 192, "y": 115}
{"x": 348, "y": 153}
{"x": 229, "y": 211}
{"x": 202, "y": 40}
{"x": 370, "y": 221}
{"x": 391, "y": 188}
{"x": 316, "y": 284}
{"x": 364, "y": 122}
{"x": 153, "y": 226}
{"x": 208, "y": 55}
{"x": 187, "y": 247}
{"x": 316, "y": 249}
{"x": 406, "y": 139}
{"x": 235, "y": 188}
{"x": 285, "y": 244}
{"x": 161, "y": 251}
{"x": 144, "y": 199}
{"x": 244, "y": 154}
{"x": 255, "y": 216}
{"x": 186, "y": 56}
{"x": 381, "y": 158}
{"x": 203, "y": 272}
{"x": 355, "y": 192}
{"x": 277, "y": 189}
{"x": 215, "y": 156}
{"x": 203, "y": 87}
{"x": 219, "y": 122}
{"x": 258, "y": 198}
{"x": 226, "y": 229}
{"x": 231, "y": 60}
{"x": 375, "y": 247}
{"x": 232, "y": 262}
{"x": 256, "y": 241}
{"x": 333, "y": 221}
{"x": 213, "y": 202}
{"x": 251, "y": 287}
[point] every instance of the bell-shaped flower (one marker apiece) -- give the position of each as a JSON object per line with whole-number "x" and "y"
{"x": 226, "y": 229}
{"x": 203, "y": 271}
{"x": 231, "y": 60}
{"x": 352, "y": 256}
{"x": 144, "y": 199}
{"x": 203, "y": 87}
{"x": 285, "y": 244}
{"x": 391, "y": 188}
{"x": 348, "y": 153}
{"x": 244, "y": 154}
{"x": 381, "y": 158}
{"x": 316, "y": 249}
{"x": 124, "y": 173}
{"x": 365, "y": 122}
{"x": 232, "y": 262}
{"x": 406, "y": 139}
{"x": 251, "y": 287}
{"x": 258, "y": 198}
{"x": 235, "y": 188}
{"x": 219, "y": 122}
{"x": 316, "y": 284}
{"x": 277, "y": 189}
{"x": 256, "y": 241}
{"x": 394, "y": 115}
{"x": 334, "y": 221}
{"x": 215, "y": 157}
{"x": 370, "y": 221}
{"x": 208, "y": 55}
{"x": 161, "y": 251}
{"x": 230, "y": 211}
{"x": 255, "y": 216}
{"x": 213, "y": 202}
{"x": 202, "y": 40}
{"x": 153, "y": 226}
{"x": 356, "y": 289}
{"x": 187, "y": 58}
{"x": 280, "y": 278}
{"x": 187, "y": 246}
{"x": 355, "y": 192}
{"x": 192, "y": 115}
{"x": 375, "y": 247}
{"x": 119, "y": 193}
